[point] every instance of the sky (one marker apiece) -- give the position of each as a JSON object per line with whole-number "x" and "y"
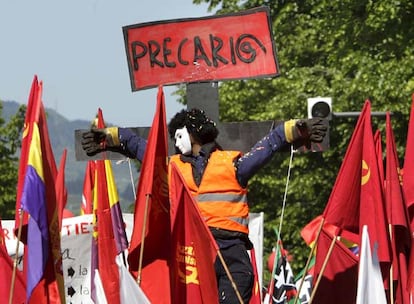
{"x": 76, "y": 48}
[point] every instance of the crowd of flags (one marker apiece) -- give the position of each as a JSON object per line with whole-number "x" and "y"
{"x": 365, "y": 234}
{"x": 361, "y": 246}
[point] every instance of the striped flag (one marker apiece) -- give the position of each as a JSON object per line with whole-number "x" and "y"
{"x": 38, "y": 200}
{"x": 109, "y": 238}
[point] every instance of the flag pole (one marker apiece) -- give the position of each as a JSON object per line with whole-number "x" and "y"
{"x": 308, "y": 261}
{"x": 226, "y": 269}
{"x": 391, "y": 271}
{"x": 325, "y": 262}
{"x": 141, "y": 251}
{"x": 16, "y": 256}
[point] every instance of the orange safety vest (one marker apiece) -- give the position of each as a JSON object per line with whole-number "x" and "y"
{"x": 221, "y": 199}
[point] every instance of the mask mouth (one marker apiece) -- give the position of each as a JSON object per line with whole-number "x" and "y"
{"x": 183, "y": 141}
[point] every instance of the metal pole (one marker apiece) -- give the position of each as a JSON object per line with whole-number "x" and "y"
{"x": 356, "y": 114}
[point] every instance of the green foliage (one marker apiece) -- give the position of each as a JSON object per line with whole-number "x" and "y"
{"x": 350, "y": 50}
{"x": 10, "y": 142}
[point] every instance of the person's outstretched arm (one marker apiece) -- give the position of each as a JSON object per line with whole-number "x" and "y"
{"x": 121, "y": 140}
{"x": 298, "y": 132}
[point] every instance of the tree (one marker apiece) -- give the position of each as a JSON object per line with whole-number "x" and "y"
{"x": 10, "y": 142}
{"x": 349, "y": 50}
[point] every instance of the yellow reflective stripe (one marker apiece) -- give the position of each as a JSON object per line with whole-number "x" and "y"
{"x": 221, "y": 197}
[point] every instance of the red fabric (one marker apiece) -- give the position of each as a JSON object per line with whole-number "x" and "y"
{"x": 339, "y": 282}
{"x": 32, "y": 111}
{"x": 309, "y": 233}
{"x": 378, "y": 149}
{"x": 408, "y": 187}
{"x": 88, "y": 185}
{"x": 408, "y": 175}
{"x": 372, "y": 210}
{"x": 397, "y": 217}
{"x": 193, "y": 278}
{"x": 6, "y": 270}
{"x": 152, "y": 208}
{"x": 61, "y": 191}
{"x": 356, "y": 197}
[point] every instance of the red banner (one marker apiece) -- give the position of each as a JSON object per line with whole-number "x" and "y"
{"x": 224, "y": 47}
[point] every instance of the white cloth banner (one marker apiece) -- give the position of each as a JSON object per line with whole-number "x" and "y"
{"x": 256, "y": 221}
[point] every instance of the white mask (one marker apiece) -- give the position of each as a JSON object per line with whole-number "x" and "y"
{"x": 182, "y": 140}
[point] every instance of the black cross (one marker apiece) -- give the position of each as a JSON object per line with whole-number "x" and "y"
{"x": 240, "y": 136}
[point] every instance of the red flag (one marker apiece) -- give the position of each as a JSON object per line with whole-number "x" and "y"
{"x": 408, "y": 188}
{"x": 398, "y": 218}
{"x": 339, "y": 281}
{"x": 408, "y": 174}
{"x": 151, "y": 230}
{"x": 193, "y": 278}
{"x": 378, "y": 149}
{"x": 356, "y": 197}
{"x": 61, "y": 191}
{"x": 6, "y": 270}
{"x": 88, "y": 185}
{"x": 356, "y": 200}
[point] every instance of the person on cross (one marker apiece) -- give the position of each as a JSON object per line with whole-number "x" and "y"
{"x": 217, "y": 179}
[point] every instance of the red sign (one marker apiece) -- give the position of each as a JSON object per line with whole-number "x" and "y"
{"x": 222, "y": 47}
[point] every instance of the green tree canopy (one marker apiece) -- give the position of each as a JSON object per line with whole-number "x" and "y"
{"x": 10, "y": 142}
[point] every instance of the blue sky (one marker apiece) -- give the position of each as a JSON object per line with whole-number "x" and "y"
{"x": 77, "y": 49}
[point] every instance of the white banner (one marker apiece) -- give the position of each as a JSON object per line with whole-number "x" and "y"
{"x": 256, "y": 221}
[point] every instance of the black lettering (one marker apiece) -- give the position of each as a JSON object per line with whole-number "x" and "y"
{"x": 154, "y": 51}
{"x": 137, "y": 55}
{"x": 199, "y": 52}
{"x": 244, "y": 46}
{"x": 180, "y": 47}
{"x": 232, "y": 55}
{"x": 166, "y": 52}
{"x": 216, "y": 45}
